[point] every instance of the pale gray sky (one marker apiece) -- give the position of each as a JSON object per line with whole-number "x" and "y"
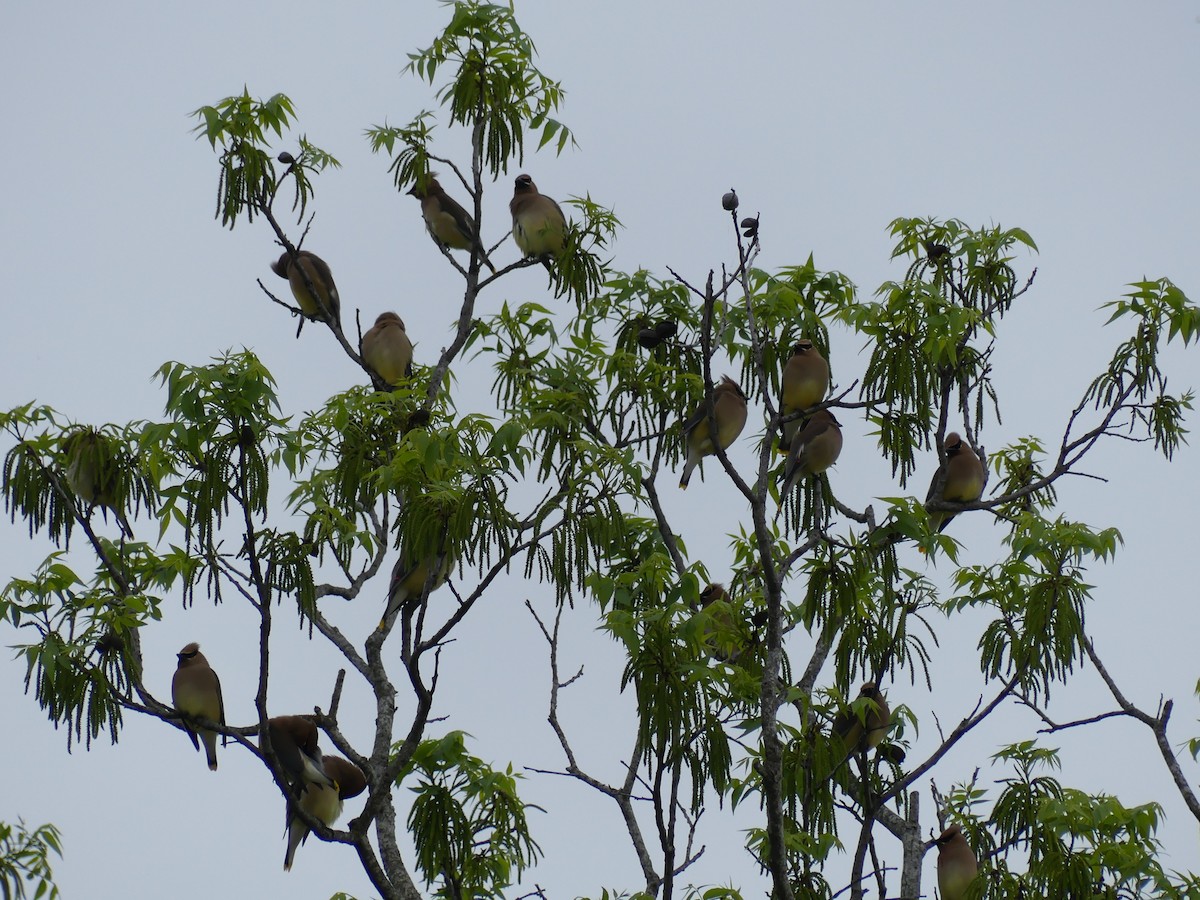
{"x": 1076, "y": 122}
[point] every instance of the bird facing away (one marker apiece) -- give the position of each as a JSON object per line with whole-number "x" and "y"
{"x": 408, "y": 582}
{"x": 804, "y": 383}
{"x": 963, "y": 481}
{"x": 326, "y": 305}
{"x": 196, "y": 692}
{"x": 813, "y": 450}
{"x": 294, "y": 740}
{"x": 323, "y": 803}
{"x": 862, "y": 733}
{"x": 729, "y": 411}
{"x": 387, "y": 349}
{"x": 447, "y": 221}
{"x": 92, "y": 474}
{"x": 539, "y": 226}
{"x": 956, "y": 865}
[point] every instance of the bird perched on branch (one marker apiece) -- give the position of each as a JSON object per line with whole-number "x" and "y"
{"x": 447, "y": 221}
{"x": 196, "y": 692}
{"x": 961, "y": 479}
{"x": 322, "y": 803}
{"x": 956, "y": 865}
{"x": 729, "y": 412}
{"x": 408, "y": 582}
{"x": 861, "y": 733}
{"x": 813, "y": 450}
{"x": 539, "y": 226}
{"x": 803, "y": 385}
{"x": 387, "y": 350}
{"x": 294, "y": 741}
{"x": 324, "y": 305}
{"x": 93, "y": 475}
{"x": 730, "y": 640}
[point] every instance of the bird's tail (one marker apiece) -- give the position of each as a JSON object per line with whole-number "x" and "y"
{"x": 297, "y": 834}
{"x": 210, "y": 749}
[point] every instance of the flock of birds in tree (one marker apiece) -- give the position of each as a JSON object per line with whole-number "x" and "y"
{"x": 811, "y": 436}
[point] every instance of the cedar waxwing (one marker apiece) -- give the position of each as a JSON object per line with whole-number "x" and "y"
{"x": 708, "y": 597}
{"x": 805, "y": 381}
{"x": 538, "y": 224}
{"x": 408, "y": 582}
{"x": 729, "y": 411}
{"x": 196, "y": 691}
{"x": 92, "y": 474}
{"x": 813, "y": 450}
{"x": 448, "y": 222}
{"x": 745, "y": 640}
{"x": 318, "y": 273}
{"x": 864, "y": 733}
{"x": 294, "y": 740}
{"x": 963, "y": 482}
{"x": 712, "y": 594}
{"x": 387, "y": 349}
{"x": 956, "y": 865}
{"x": 323, "y": 803}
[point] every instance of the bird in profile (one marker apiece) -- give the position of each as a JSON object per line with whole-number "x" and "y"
{"x": 803, "y": 385}
{"x": 324, "y": 305}
{"x": 322, "y": 803}
{"x": 729, "y": 412}
{"x": 861, "y": 733}
{"x": 728, "y": 640}
{"x": 448, "y": 223}
{"x": 539, "y": 226}
{"x": 813, "y": 450}
{"x": 387, "y": 350}
{"x": 956, "y": 865}
{"x": 294, "y": 741}
{"x": 722, "y": 621}
{"x": 92, "y": 474}
{"x": 961, "y": 479}
{"x": 196, "y": 693}
{"x": 408, "y": 582}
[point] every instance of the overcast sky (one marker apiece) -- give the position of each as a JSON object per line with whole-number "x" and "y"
{"x": 1076, "y": 122}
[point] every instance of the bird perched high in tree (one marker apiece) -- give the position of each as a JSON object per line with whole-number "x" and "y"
{"x": 196, "y": 692}
{"x": 448, "y": 223}
{"x": 860, "y": 733}
{"x": 322, "y": 803}
{"x": 961, "y": 480}
{"x": 408, "y": 582}
{"x": 93, "y": 475}
{"x": 387, "y": 349}
{"x": 956, "y": 865}
{"x": 539, "y": 226}
{"x": 324, "y": 305}
{"x": 813, "y": 450}
{"x": 294, "y": 741}
{"x": 803, "y": 385}
{"x": 729, "y": 412}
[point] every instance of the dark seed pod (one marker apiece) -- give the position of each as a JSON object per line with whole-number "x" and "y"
{"x": 666, "y": 329}
{"x": 648, "y": 338}
{"x": 286, "y": 158}
{"x": 893, "y": 753}
{"x": 751, "y": 226}
{"x": 729, "y": 201}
